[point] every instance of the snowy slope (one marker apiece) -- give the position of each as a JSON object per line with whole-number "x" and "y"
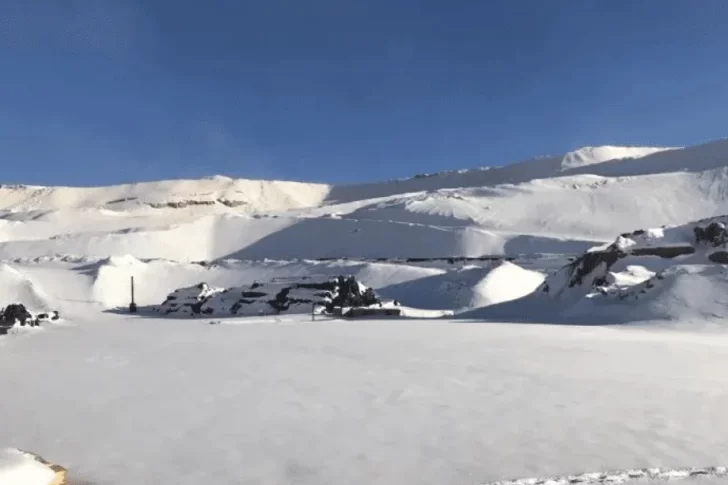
{"x": 669, "y": 274}
{"x": 218, "y": 191}
{"x": 537, "y": 168}
{"x": 559, "y": 204}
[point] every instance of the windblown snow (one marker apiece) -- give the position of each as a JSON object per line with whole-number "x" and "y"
{"x": 625, "y": 248}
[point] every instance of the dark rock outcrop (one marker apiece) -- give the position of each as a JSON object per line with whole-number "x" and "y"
{"x": 589, "y": 262}
{"x": 232, "y": 203}
{"x": 301, "y": 296}
{"x": 714, "y": 234}
{"x": 180, "y": 204}
{"x": 16, "y": 313}
{"x": 667, "y": 252}
{"x": 592, "y": 267}
{"x": 719, "y": 257}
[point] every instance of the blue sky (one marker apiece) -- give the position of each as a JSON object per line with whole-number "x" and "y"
{"x": 346, "y": 90}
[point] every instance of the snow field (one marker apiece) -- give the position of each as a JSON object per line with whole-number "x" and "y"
{"x": 132, "y": 400}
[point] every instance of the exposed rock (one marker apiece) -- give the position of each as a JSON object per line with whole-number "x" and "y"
{"x": 591, "y": 268}
{"x": 302, "y": 295}
{"x": 123, "y": 199}
{"x": 720, "y": 257}
{"x": 231, "y": 203}
{"x": 16, "y": 313}
{"x": 638, "y": 232}
{"x": 714, "y": 233}
{"x": 589, "y": 262}
{"x": 180, "y": 204}
{"x": 667, "y": 252}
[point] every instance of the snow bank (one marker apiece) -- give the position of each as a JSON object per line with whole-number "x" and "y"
{"x": 505, "y": 282}
{"x": 466, "y": 288}
{"x": 22, "y": 468}
{"x": 15, "y": 287}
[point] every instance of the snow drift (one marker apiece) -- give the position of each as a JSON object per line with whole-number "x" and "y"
{"x": 466, "y": 288}
{"x": 17, "y": 287}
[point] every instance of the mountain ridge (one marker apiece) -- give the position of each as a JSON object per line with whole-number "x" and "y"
{"x": 563, "y": 204}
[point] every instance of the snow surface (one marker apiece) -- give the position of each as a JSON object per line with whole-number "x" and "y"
{"x": 121, "y": 400}
{"x": 19, "y": 468}
{"x": 457, "y": 392}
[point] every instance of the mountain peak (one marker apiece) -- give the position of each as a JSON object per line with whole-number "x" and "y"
{"x": 590, "y": 155}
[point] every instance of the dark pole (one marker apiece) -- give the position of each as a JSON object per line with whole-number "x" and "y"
{"x": 132, "y": 305}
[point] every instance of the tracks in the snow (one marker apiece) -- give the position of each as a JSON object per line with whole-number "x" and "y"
{"x": 621, "y": 476}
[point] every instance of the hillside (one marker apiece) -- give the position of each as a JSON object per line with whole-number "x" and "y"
{"x": 562, "y": 204}
{"x": 667, "y": 274}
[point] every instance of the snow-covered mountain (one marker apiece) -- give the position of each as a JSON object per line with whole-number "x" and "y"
{"x": 562, "y": 204}
{"x": 249, "y": 231}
